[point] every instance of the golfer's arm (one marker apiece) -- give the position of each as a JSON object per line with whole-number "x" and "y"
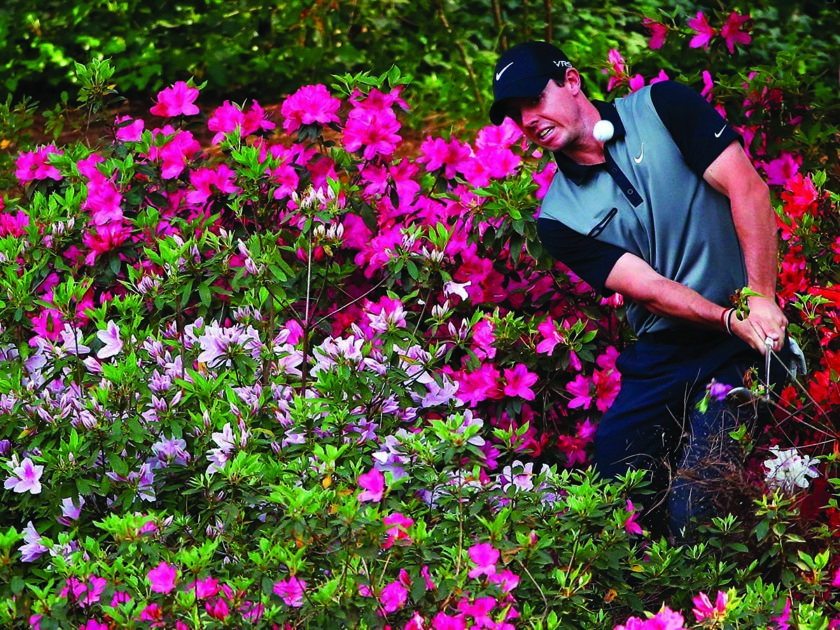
{"x": 755, "y": 222}
{"x": 637, "y": 281}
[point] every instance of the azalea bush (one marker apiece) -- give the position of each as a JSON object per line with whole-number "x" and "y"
{"x": 307, "y": 374}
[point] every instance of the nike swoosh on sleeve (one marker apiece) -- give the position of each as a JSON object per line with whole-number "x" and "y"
{"x": 720, "y": 133}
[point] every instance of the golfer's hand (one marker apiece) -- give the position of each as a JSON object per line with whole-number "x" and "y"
{"x": 766, "y": 320}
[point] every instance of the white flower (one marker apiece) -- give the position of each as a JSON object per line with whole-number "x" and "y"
{"x": 789, "y": 470}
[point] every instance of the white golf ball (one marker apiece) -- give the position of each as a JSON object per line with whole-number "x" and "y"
{"x": 603, "y": 130}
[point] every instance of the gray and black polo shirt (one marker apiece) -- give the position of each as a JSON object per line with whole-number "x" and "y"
{"x": 649, "y": 198}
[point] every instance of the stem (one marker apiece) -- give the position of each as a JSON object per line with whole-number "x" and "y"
{"x": 463, "y": 52}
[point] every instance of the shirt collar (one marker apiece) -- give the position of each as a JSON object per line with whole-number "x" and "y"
{"x": 578, "y": 172}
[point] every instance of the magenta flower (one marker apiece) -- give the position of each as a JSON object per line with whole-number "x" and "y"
{"x": 485, "y": 557}
{"x": 703, "y": 608}
{"x": 227, "y": 118}
{"x": 372, "y": 131}
{"x": 103, "y": 200}
{"x": 518, "y": 382}
{"x": 658, "y": 32}
{"x": 177, "y": 100}
{"x": 310, "y": 104}
{"x": 581, "y": 390}
{"x": 551, "y": 337}
{"x": 129, "y": 129}
{"x": 665, "y": 619}
{"x": 732, "y": 33}
{"x": 438, "y": 153}
{"x": 26, "y": 476}
{"x": 631, "y": 526}
{"x": 708, "y": 85}
{"x": 32, "y": 165}
{"x": 373, "y": 483}
{"x": 783, "y": 620}
{"x": 442, "y": 621}
{"x": 703, "y": 30}
{"x": 291, "y": 591}
{"x": 479, "y": 610}
{"x": 162, "y": 578}
{"x": 398, "y": 532}
{"x": 393, "y": 597}
{"x": 209, "y": 180}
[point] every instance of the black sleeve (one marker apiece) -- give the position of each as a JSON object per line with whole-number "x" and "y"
{"x": 697, "y": 128}
{"x": 592, "y": 260}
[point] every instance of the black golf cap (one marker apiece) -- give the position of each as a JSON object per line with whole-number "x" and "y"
{"x": 523, "y": 72}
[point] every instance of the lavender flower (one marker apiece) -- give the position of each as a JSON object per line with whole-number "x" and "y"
{"x": 26, "y": 476}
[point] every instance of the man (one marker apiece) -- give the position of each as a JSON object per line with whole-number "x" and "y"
{"x": 661, "y": 205}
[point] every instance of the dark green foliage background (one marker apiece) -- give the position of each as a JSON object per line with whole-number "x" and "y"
{"x": 267, "y": 49}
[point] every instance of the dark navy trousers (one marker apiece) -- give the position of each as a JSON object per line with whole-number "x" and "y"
{"x": 654, "y": 424}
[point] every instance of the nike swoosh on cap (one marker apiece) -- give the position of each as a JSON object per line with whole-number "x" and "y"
{"x": 502, "y": 71}
{"x": 719, "y": 133}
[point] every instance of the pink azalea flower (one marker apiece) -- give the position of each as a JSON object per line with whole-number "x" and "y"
{"x": 104, "y": 238}
{"x": 103, "y": 200}
{"x": 93, "y": 624}
{"x": 479, "y": 610}
{"x": 162, "y": 578}
{"x": 485, "y": 557}
{"x": 703, "y": 608}
{"x": 551, "y": 337}
{"x": 442, "y": 621}
{"x": 393, "y": 597}
{"x": 607, "y": 385}
{"x": 13, "y": 224}
{"x": 575, "y": 446}
{"x": 732, "y": 33}
{"x": 783, "y": 620}
{"x": 438, "y": 153}
{"x": 291, "y": 591}
{"x": 26, "y": 477}
{"x": 209, "y": 180}
{"x": 176, "y": 153}
{"x": 32, "y": 165}
{"x": 177, "y": 100}
{"x": 48, "y": 324}
{"x": 217, "y": 608}
{"x": 708, "y": 85}
{"x": 703, "y": 30}
{"x": 518, "y": 382}
{"x": 372, "y": 131}
{"x": 662, "y": 76}
{"x": 373, "y": 483}
{"x": 636, "y": 82}
{"x": 658, "y": 32}
{"x": 110, "y": 337}
{"x": 398, "y": 530}
{"x": 782, "y": 168}
{"x": 129, "y": 129}
{"x": 581, "y": 390}
{"x": 224, "y": 120}
{"x": 665, "y": 619}
{"x": 631, "y": 526}
{"x": 473, "y": 387}
{"x": 310, "y": 104}
{"x": 836, "y": 581}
